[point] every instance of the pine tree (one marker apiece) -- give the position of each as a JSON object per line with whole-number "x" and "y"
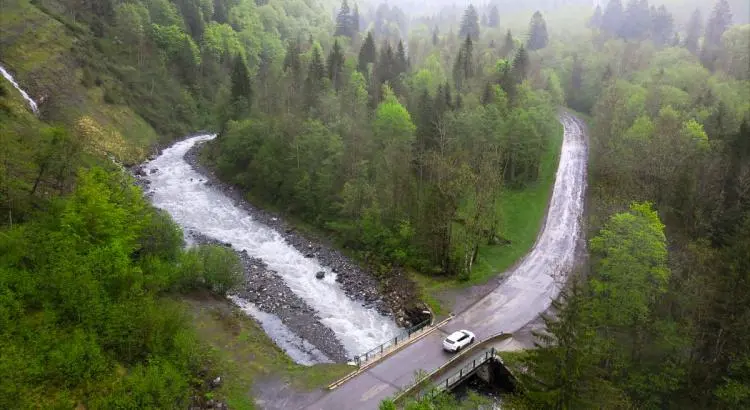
{"x": 344, "y": 20}
{"x": 538, "y": 37}
{"x": 576, "y": 74}
{"x": 488, "y": 95}
{"x": 613, "y": 17}
{"x": 563, "y": 369}
{"x": 494, "y": 18}
{"x": 242, "y": 92}
{"x": 637, "y": 22}
{"x": 292, "y": 59}
{"x": 401, "y": 63}
{"x": 335, "y": 63}
{"x": 425, "y": 121}
{"x": 385, "y": 67}
{"x": 354, "y": 24}
{"x": 720, "y": 20}
{"x": 520, "y": 65}
{"x": 596, "y": 19}
{"x": 662, "y": 28}
{"x": 367, "y": 54}
{"x": 435, "y": 37}
{"x": 693, "y": 32}
{"x": 316, "y": 74}
{"x": 470, "y": 23}
{"x": 508, "y": 46}
{"x": 717, "y": 24}
{"x": 463, "y": 68}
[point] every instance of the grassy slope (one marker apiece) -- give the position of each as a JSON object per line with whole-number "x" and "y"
{"x": 38, "y": 49}
{"x": 248, "y": 354}
{"x": 521, "y": 213}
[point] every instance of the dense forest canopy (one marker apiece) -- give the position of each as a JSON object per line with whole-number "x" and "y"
{"x": 398, "y": 129}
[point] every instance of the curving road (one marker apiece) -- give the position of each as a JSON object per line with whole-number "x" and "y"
{"x": 527, "y": 292}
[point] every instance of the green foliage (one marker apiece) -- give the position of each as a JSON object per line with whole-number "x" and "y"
{"x": 644, "y": 330}
{"x": 85, "y": 279}
{"x": 210, "y": 266}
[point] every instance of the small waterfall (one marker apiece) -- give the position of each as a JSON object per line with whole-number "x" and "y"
{"x": 9, "y": 77}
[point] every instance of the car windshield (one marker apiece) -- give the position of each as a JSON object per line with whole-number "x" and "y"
{"x": 462, "y": 337}
{"x": 449, "y": 341}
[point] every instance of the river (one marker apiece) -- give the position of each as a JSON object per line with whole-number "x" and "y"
{"x": 178, "y": 188}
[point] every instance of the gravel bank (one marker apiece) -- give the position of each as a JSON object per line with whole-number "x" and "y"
{"x": 399, "y": 297}
{"x": 268, "y": 292}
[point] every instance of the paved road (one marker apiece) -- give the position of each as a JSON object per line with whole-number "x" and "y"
{"x": 528, "y": 291}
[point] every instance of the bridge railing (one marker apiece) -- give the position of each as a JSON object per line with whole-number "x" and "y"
{"x": 462, "y": 373}
{"x": 465, "y": 358}
{"x": 386, "y": 346}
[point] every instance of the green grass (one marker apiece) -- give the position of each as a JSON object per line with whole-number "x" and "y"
{"x": 521, "y": 213}
{"x": 38, "y": 49}
{"x": 246, "y": 354}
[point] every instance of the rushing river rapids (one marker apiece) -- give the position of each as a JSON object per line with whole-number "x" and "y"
{"x": 178, "y": 188}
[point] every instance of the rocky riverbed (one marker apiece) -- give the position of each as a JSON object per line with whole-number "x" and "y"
{"x": 268, "y": 292}
{"x": 395, "y": 296}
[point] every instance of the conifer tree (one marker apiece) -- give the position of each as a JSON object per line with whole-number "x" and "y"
{"x": 242, "y": 92}
{"x": 596, "y": 19}
{"x": 717, "y": 24}
{"x": 402, "y": 62}
{"x": 354, "y": 24}
{"x": 693, "y": 31}
{"x": 613, "y": 17}
{"x": 344, "y": 20}
{"x": 316, "y": 74}
{"x": 367, "y": 54}
{"x": 386, "y": 66}
{"x": 538, "y": 37}
{"x": 470, "y": 23}
{"x": 494, "y": 18}
{"x": 520, "y": 65}
{"x": 508, "y": 46}
{"x": 637, "y": 21}
{"x": 662, "y": 29}
{"x": 463, "y": 67}
{"x": 335, "y": 63}
{"x": 720, "y": 20}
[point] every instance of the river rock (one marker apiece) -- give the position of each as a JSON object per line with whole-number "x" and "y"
{"x": 320, "y": 275}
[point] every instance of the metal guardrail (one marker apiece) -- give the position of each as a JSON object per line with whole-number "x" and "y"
{"x": 462, "y": 373}
{"x": 422, "y": 382}
{"x": 383, "y": 348}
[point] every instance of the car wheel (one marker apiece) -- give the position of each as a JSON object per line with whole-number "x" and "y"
{"x": 471, "y": 340}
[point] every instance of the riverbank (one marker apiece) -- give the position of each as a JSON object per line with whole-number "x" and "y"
{"x": 396, "y": 297}
{"x": 266, "y": 290}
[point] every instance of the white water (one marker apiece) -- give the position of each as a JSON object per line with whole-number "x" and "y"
{"x": 197, "y": 206}
{"x": 299, "y": 349}
{"x": 25, "y": 95}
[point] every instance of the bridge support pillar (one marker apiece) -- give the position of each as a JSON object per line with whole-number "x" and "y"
{"x": 485, "y": 372}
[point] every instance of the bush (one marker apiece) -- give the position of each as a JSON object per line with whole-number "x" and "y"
{"x": 210, "y": 266}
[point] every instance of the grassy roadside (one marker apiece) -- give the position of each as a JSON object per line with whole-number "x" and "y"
{"x": 247, "y": 354}
{"x": 521, "y": 213}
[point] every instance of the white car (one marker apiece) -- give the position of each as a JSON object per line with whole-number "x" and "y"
{"x": 458, "y": 340}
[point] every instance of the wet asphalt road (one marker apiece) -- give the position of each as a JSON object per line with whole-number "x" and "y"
{"x": 528, "y": 290}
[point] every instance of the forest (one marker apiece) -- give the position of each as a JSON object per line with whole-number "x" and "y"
{"x": 400, "y": 132}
